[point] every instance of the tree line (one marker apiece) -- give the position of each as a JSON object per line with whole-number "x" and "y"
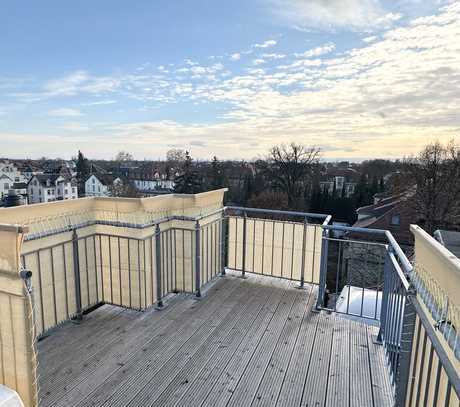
{"x": 289, "y": 178}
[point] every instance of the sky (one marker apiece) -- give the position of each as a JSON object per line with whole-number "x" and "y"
{"x": 358, "y": 79}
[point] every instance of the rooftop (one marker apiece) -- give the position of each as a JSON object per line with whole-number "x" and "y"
{"x": 178, "y": 300}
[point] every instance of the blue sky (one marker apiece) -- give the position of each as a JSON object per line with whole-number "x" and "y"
{"x": 357, "y": 78}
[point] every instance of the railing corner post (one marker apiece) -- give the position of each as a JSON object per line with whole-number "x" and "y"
{"x": 76, "y": 269}
{"x": 224, "y": 242}
{"x": 304, "y": 247}
{"x": 243, "y": 271}
{"x": 197, "y": 259}
{"x": 407, "y": 338}
{"x": 158, "y": 266}
{"x": 323, "y": 270}
{"x": 386, "y": 287}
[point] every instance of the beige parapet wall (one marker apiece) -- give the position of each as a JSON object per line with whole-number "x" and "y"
{"x": 55, "y": 215}
{"x": 275, "y": 248}
{"x": 116, "y": 264}
{"x": 439, "y": 270}
{"x": 17, "y": 355}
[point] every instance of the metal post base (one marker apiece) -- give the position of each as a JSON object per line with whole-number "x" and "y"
{"x": 160, "y": 306}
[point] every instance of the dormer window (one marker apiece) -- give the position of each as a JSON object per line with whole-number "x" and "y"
{"x": 395, "y": 220}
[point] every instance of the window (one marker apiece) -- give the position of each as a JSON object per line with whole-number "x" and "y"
{"x": 94, "y": 180}
{"x": 73, "y": 190}
{"x": 16, "y": 179}
{"x": 6, "y": 185}
{"x": 66, "y": 191}
{"x": 395, "y": 220}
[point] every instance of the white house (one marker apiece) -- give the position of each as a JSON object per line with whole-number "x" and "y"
{"x": 9, "y": 175}
{"x": 51, "y": 187}
{"x": 99, "y": 185}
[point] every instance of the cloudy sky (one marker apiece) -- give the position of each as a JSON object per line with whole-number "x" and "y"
{"x": 357, "y": 78}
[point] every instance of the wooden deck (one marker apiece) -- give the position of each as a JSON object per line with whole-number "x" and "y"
{"x": 247, "y": 342}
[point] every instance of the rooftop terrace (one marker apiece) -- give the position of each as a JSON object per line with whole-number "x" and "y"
{"x": 176, "y": 300}
{"x": 253, "y": 341}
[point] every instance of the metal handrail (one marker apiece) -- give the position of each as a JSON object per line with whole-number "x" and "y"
{"x": 278, "y": 212}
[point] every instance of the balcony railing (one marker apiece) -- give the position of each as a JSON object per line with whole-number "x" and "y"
{"x": 135, "y": 253}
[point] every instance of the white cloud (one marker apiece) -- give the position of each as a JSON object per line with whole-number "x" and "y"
{"x": 331, "y": 14}
{"x": 318, "y": 51}
{"x": 235, "y": 57}
{"x": 266, "y": 44}
{"x": 75, "y": 127}
{"x": 273, "y": 56}
{"x": 373, "y": 101}
{"x": 387, "y": 97}
{"x": 65, "y": 112}
{"x": 370, "y": 39}
{"x": 100, "y": 102}
{"x": 258, "y": 61}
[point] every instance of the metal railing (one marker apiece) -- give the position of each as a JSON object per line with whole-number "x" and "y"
{"x": 281, "y": 244}
{"x": 362, "y": 273}
{"x": 86, "y": 268}
{"x": 384, "y": 282}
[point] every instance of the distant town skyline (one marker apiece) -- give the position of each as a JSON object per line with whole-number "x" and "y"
{"x": 357, "y": 78}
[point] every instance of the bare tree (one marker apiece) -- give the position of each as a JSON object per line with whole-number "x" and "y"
{"x": 435, "y": 176}
{"x": 175, "y": 156}
{"x": 125, "y": 189}
{"x": 124, "y": 156}
{"x": 289, "y": 167}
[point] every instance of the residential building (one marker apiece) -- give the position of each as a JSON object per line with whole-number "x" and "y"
{"x": 51, "y": 187}
{"x": 341, "y": 180}
{"x": 99, "y": 184}
{"x": 394, "y": 213}
{"x": 9, "y": 176}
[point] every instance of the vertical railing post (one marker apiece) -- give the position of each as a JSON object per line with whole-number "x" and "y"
{"x": 76, "y": 270}
{"x": 405, "y": 353}
{"x": 323, "y": 269}
{"x": 387, "y": 269}
{"x": 223, "y": 242}
{"x": 158, "y": 266}
{"x": 244, "y": 244}
{"x": 304, "y": 248}
{"x": 197, "y": 259}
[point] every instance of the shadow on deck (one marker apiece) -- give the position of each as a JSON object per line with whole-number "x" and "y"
{"x": 247, "y": 342}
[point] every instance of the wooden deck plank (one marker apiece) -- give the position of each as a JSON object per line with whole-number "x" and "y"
{"x": 294, "y": 381}
{"x": 338, "y": 386}
{"x": 243, "y": 390}
{"x": 360, "y": 374}
{"x": 52, "y": 363}
{"x": 229, "y": 378}
{"x": 249, "y": 341}
{"x": 381, "y": 384}
{"x": 58, "y": 381}
{"x": 314, "y": 392}
{"x": 144, "y": 349}
{"x": 201, "y": 386}
{"x": 73, "y": 332}
{"x": 112, "y": 358}
{"x": 272, "y": 381}
{"x": 174, "y": 374}
{"x": 216, "y": 326}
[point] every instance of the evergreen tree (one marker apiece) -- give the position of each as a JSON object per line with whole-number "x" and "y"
{"x": 217, "y": 174}
{"x": 83, "y": 172}
{"x": 188, "y": 182}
